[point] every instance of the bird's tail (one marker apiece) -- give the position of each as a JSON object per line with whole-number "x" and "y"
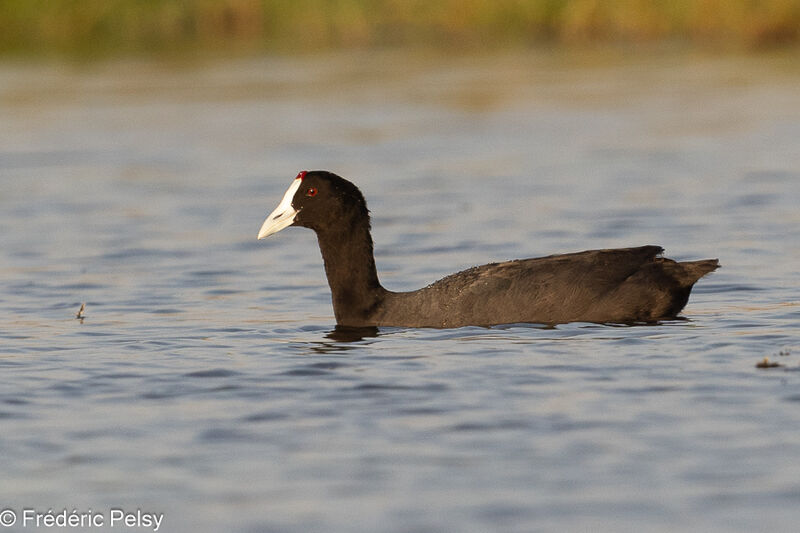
{"x": 691, "y": 271}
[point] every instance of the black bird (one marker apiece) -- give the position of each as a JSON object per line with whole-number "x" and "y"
{"x": 623, "y": 285}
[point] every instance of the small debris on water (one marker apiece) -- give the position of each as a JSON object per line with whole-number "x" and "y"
{"x": 784, "y": 353}
{"x": 80, "y": 315}
{"x": 766, "y": 363}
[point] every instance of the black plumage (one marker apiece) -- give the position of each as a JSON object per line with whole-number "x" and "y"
{"x": 624, "y": 285}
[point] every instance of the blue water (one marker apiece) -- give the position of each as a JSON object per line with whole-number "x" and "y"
{"x": 206, "y": 382}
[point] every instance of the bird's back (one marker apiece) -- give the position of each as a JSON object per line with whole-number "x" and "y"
{"x": 617, "y": 285}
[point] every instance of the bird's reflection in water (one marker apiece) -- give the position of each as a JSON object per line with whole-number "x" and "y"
{"x": 352, "y": 334}
{"x": 341, "y": 339}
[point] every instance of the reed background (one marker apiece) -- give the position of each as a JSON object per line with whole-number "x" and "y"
{"x": 108, "y": 27}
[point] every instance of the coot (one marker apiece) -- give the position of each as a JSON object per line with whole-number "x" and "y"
{"x": 624, "y": 285}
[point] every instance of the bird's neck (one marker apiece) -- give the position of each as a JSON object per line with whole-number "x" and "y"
{"x": 351, "y": 272}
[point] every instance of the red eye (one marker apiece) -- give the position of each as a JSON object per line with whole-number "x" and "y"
{"x": 311, "y": 191}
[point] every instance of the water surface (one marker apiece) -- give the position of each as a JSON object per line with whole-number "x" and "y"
{"x": 205, "y": 382}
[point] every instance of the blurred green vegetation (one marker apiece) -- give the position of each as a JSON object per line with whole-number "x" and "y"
{"x": 124, "y": 26}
